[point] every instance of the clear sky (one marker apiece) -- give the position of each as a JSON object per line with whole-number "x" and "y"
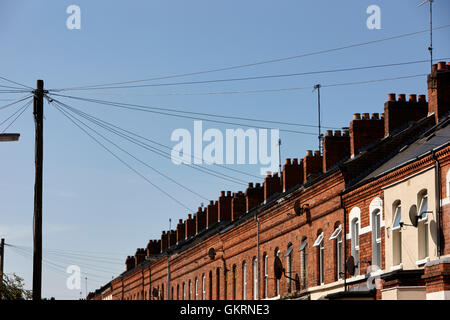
{"x": 93, "y": 204}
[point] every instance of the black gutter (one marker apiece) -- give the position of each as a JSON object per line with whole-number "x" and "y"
{"x": 437, "y": 200}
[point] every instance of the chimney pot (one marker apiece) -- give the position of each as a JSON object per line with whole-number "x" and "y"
{"x": 337, "y": 133}
{"x": 189, "y": 216}
{"x": 222, "y": 193}
{"x": 295, "y": 161}
{"x": 228, "y": 193}
{"x": 422, "y": 98}
{"x": 258, "y": 185}
{"x": 441, "y": 65}
{"x": 345, "y": 133}
{"x": 375, "y": 116}
{"x": 401, "y": 97}
{"x": 329, "y": 133}
{"x": 317, "y": 153}
{"x": 309, "y": 153}
{"x": 365, "y": 116}
{"x": 288, "y": 161}
{"x": 391, "y": 97}
{"x": 356, "y": 116}
{"x": 250, "y": 185}
{"x": 413, "y": 98}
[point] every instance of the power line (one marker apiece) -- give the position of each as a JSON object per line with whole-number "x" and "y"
{"x": 263, "y": 61}
{"x": 16, "y": 112}
{"x": 110, "y": 126}
{"x": 148, "y": 147}
{"x": 252, "y": 78}
{"x": 152, "y": 110}
{"x": 120, "y": 159}
{"x": 13, "y": 103}
{"x": 11, "y": 81}
{"x": 18, "y": 116}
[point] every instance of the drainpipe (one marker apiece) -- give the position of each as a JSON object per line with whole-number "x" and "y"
{"x": 345, "y": 241}
{"x": 438, "y": 201}
{"x": 257, "y": 254}
{"x": 168, "y": 277}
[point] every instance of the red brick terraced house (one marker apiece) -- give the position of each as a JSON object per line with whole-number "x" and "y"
{"x": 367, "y": 219}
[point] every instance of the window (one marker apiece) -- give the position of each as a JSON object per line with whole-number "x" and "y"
{"x": 255, "y": 279}
{"x": 184, "y": 291}
{"x": 234, "y": 282}
{"x": 422, "y": 227}
{"x": 162, "y": 292}
{"x": 196, "y": 289}
{"x": 397, "y": 234}
{"x": 320, "y": 257}
{"x": 355, "y": 243}
{"x": 376, "y": 237}
{"x": 178, "y": 292}
{"x": 210, "y": 285}
{"x": 303, "y": 262}
{"x": 266, "y": 275}
{"x": 337, "y": 235}
{"x": 277, "y": 284}
{"x": 203, "y": 287}
{"x": 225, "y": 275}
{"x": 244, "y": 281}
{"x": 288, "y": 256}
{"x": 217, "y": 284}
{"x": 189, "y": 290}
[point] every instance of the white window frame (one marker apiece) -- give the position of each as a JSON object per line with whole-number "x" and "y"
{"x": 376, "y": 237}
{"x": 278, "y": 280}
{"x": 354, "y": 233}
{"x": 397, "y": 230}
{"x": 255, "y": 279}
{"x": 422, "y": 199}
{"x": 266, "y": 276}
{"x": 423, "y": 224}
{"x": 304, "y": 262}
{"x": 204, "y": 287}
{"x": 288, "y": 256}
{"x": 196, "y": 288}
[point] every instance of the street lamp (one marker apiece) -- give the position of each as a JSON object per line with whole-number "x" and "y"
{"x": 6, "y": 137}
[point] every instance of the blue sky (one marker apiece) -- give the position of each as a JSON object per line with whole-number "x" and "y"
{"x": 93, "y": 204}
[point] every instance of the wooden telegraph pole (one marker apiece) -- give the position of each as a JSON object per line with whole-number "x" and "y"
{"x": 38, "y": 112}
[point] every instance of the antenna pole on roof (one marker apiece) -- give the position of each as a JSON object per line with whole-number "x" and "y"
{"x": 318, "y": 86}
{"x": 430, "y": 48}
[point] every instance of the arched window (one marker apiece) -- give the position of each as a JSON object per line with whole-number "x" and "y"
{"x": 288, "y": 257}
{"x": 266, "y": 275}
{"x": 304, "y": 262}
{"x": 337, "y": 237}
{"x": 225, "y": 289}
{"x": 255, "y": 279}
{"x": 376, "y": 237}
{"x": 422, "y": 226}
{"x": 162, "y": 292}
{"x": 320, "y": 257}
{"x": 277, "y": 281}
{"x": 184, "y": 291}
{"x": 355, "y": 242}
{"x": 196, "y": 289}
{"x": 189, "y": 290}
{"x": 244, "y": 281}
{"x": 171, "y": 295}
{"x": 178, "y": 292}
{"x": 218, "y": 284}
{"x": 204, "y": 287}
{"x": 210, "y": 285}
{"x": 234, "y": 281}
{"x": 397, "y": 233}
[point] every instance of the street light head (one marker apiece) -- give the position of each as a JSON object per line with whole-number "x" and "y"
{"x": 5, "y": 137}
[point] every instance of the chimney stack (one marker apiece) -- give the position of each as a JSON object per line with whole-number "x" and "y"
{"x": 399, "y": 112}
{"x": 139, "y": 256}
{"x": 292, "y": 173}
{"x": 153, "y": 247}
{"x": 238, "y": 205}
{"x": 189, "y": 227}
{"x": 312, "y": 165}
{"x": 172, "y": 238}
{"x": 164, "y": 241}
{"x": 335, "y": 147}
{"x": 254, "y": 196}
{"x": 211, "y": 214}
{"x": 200, "y": 220}
{"x": 129, "y": 263}
{"x": 224, "y": 207}
{"x": 180, "y": 230}
{"x": 439, "y": 90}
{"x": 365, "y": 131}
{"x": 272, "y": 185}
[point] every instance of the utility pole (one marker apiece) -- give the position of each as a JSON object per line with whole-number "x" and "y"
{"x": 38, "y": 112}
{"x": 318, "y": 86}
{"x": 2, "y": 258}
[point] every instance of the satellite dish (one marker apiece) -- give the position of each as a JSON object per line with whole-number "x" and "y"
{"x": 297, "y": 209}
{"x": 278, "y": 268}
{"x": 350, "y": 264}
{"x": 211, "y": 253}
{"x": 413, "y": 215}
